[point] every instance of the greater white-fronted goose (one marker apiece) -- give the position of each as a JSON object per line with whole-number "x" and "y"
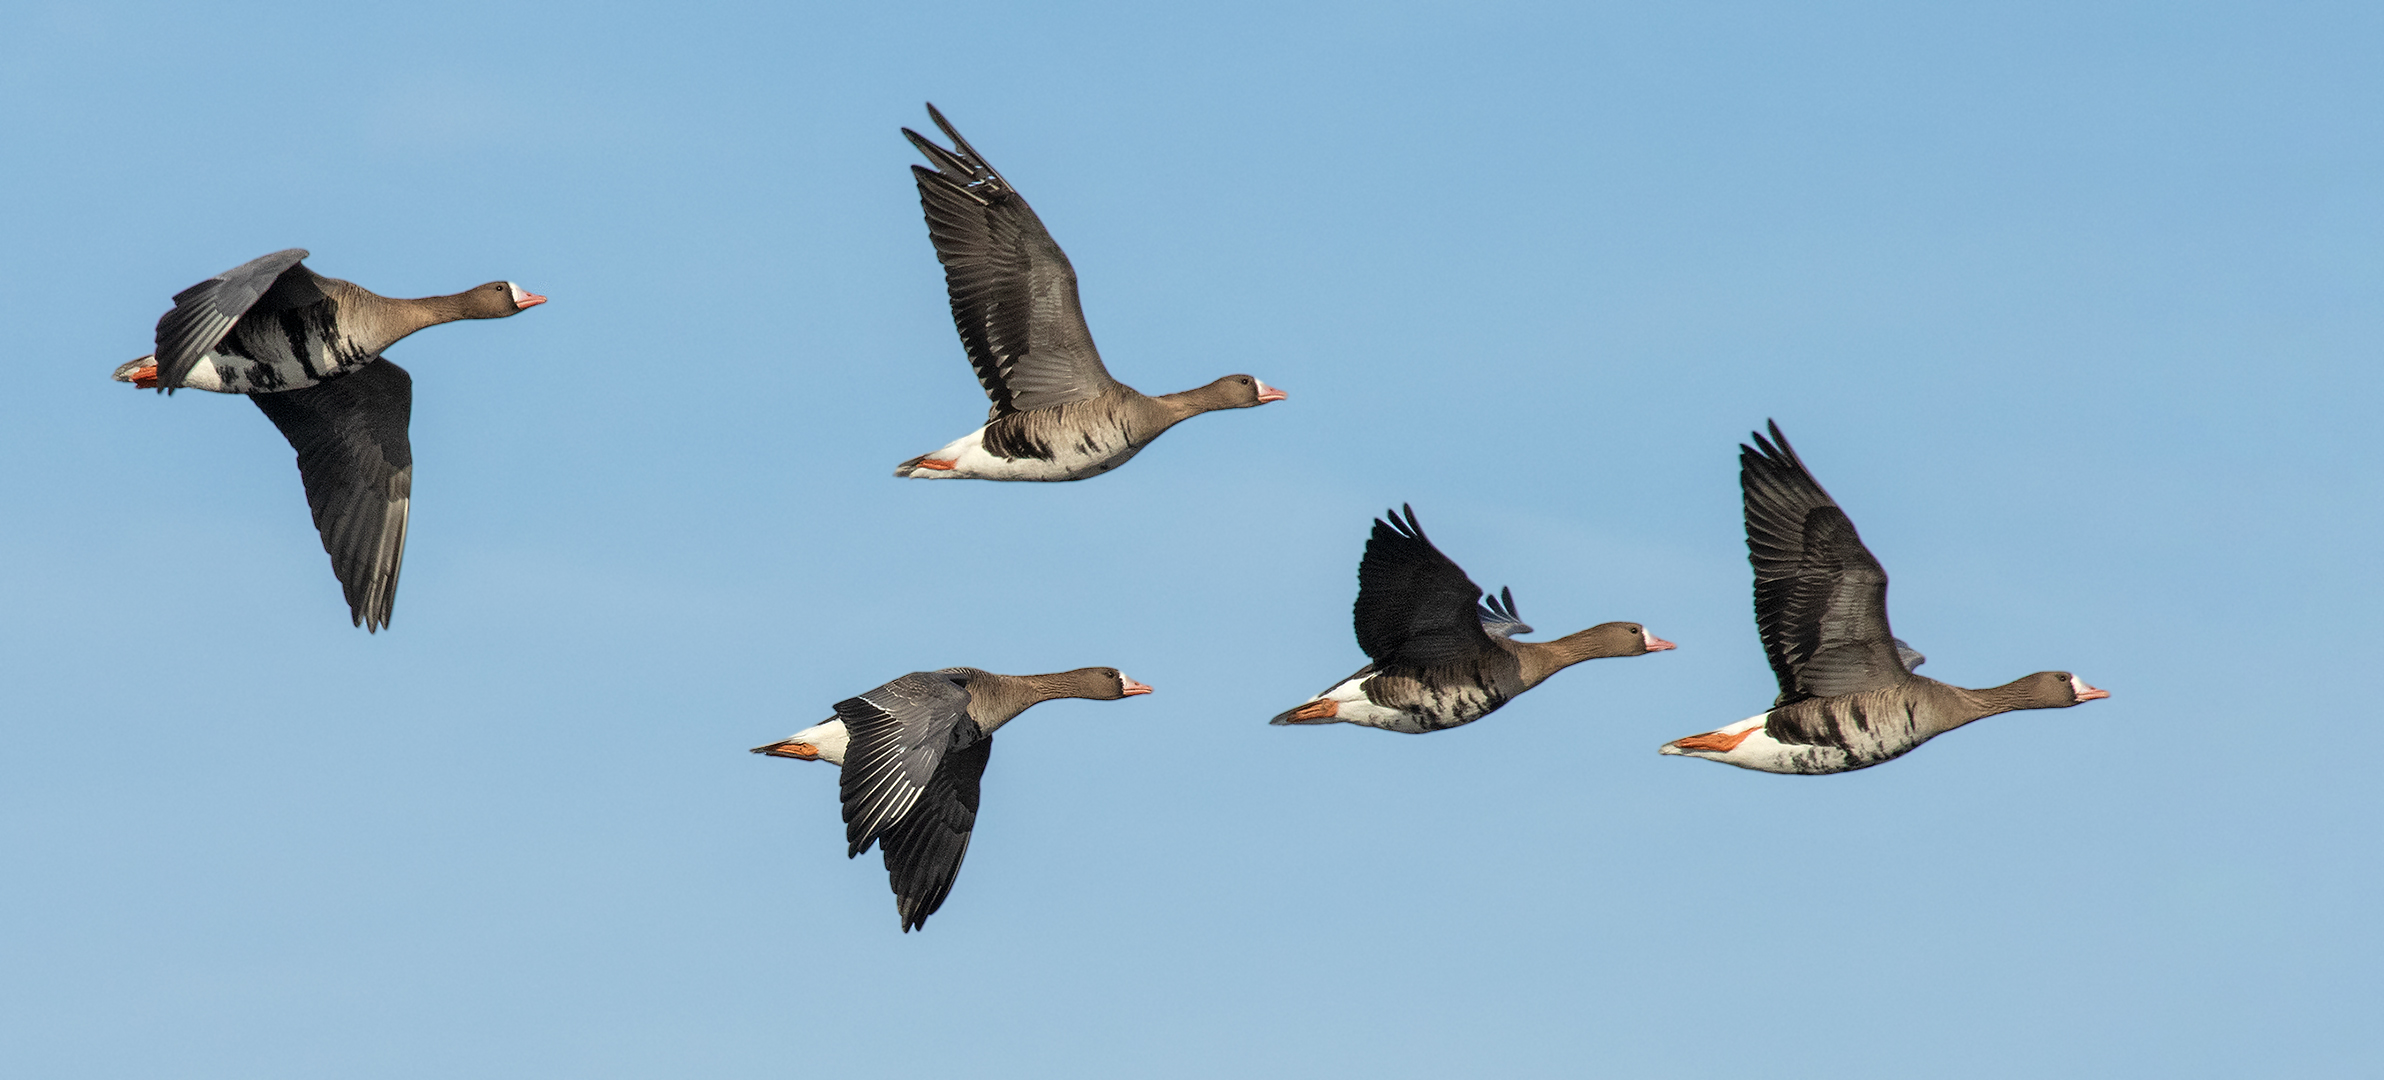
{"x": 1849, "y": 698}
{"x": 913, "y": 751}
{"x": 307, "y": 349}
{"x": 1441, "y": 656}
{"x": 1057, "y": 414}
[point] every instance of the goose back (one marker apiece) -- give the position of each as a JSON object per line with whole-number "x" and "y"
{"x": 272, "y": 324}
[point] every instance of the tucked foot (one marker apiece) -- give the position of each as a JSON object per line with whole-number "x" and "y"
{"x": 790, "y": 748}
{"x": 141, "y": 373}
{"x": 1319, "y": 709}
{"x": 1711, "y": 741}
{"x": 940, "y": 466}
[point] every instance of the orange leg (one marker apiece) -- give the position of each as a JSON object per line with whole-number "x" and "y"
{"x": 145, "y": 377}
{"x": 1320, "y": 709}
{"x": 1716, "y": 741}
{"x": 931, "y": 463}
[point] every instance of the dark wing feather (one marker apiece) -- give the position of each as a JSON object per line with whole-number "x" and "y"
{"x": 205, "y": 312}
{"x": 924, "y": 849}
{"x": 899, "y": 733}
{"x": 1498, "y": 616}
{"x": 1415, "y": 607}
{"x": 1820, "y": 596}
{"x": 358, "y": 465}
{"x": 1013, "y": 292}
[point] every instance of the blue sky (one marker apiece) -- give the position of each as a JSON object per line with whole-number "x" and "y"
{"x": 2073, "y": 306}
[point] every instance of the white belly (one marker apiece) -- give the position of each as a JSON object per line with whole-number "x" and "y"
{"x": 1759, "y": 751}
{"x": 971, "y": 461}
{"x": 1354, "y": 707}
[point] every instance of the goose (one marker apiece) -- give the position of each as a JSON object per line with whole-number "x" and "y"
{"x": 1438, "y": 659}
{"x": 917, "y": 748}
{"x": 1849, "y": 697}
{"x": 1056, "y": 413}
{"x": 308, "y": 350}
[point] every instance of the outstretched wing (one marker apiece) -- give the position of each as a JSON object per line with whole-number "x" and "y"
{"x": 205, "y": 312}
{"x": 924, "y": 849}
{"x": 1820, "y": 596}
{"x": 898, "y": 734}
{"x": 1013, "y": 292}
{"x": 1498, "y": 615}
{"x": 1415, "y": 607}
{"x": 358, "y": 466}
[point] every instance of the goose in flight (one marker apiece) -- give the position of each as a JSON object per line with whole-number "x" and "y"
{"x": 913, "y": 752}
{"x": 1436, "y": 660}
{"x": 1056, "y": 414}
{"x": 1849, "y": 698}
{"x": 307, "y": 349}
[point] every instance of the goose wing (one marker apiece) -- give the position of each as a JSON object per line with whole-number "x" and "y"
{"x": 205, "y": 312}
{"x": 923, "y": 850}
{"x": 1498, "y": 615}
{"x": 1820, "y": 596}
{"x": 1013, "y": 292}
{"x": 898, "y": 735}
{"x": 1415, "y": 607}
{"x": 358, "y": 466}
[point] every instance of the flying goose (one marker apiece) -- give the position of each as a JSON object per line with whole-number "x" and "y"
{"x": 307, "y": 349}
{"x": 1057, "y": 414}
{"x": 1849, "y": 698}
{"x": 1437, "y": 659}
{"x": 913, "y": 751}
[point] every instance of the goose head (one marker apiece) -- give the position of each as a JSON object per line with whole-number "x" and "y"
{"x": 2056, "y": 690}
{"x": 497, "y": 300}
{"x": 1241, "y": 392}
{"x": 1618, "y": 639}
{"x": 1098, "y": 684}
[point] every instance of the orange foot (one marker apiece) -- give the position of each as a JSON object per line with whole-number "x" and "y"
{"x": 144, "y": 377}
{"x": 943, "y": 466}
{"x": 1320, "y": 709}
{"x": 1716, "y": 741}
{"x": 802, "y": 751}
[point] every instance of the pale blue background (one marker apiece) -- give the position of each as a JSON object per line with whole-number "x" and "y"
{"x": 2073, "y": 306}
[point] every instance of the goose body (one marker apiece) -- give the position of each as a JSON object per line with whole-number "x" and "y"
{"x": 1056, "y": 412}
{"x": 913, "y": 753}
{"x": 1849, "y": 697}
{"x": 307, "y": 350}
{"x": 1062, "y": 442}
{"x": 1442, "y": 656}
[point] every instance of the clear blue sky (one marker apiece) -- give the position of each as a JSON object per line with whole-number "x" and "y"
{"x": 2073, "y": 306}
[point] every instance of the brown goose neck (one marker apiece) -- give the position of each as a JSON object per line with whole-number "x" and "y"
{"x": 1184, "y": 404}
{"x": 2009, "y": 697}
{"x": 1544, "y": 658}
{"x": 387, "y": 319}
{"x": 995, "y": 700}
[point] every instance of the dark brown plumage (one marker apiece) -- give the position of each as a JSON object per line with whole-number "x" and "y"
{"x": 307, "y": 349}
{"x": 1440, "y": 657}
{"x": 914, "y": 751}
{"x": 1055, "y": 413}
{"x": 1849, "y": 698}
